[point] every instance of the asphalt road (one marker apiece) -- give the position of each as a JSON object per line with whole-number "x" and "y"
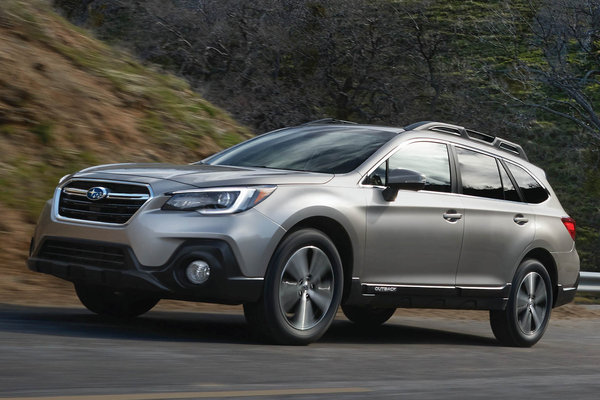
{"x": 68, "y": 353}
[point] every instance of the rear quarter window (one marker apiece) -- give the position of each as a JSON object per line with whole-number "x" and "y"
{"x": 530, "y": 188}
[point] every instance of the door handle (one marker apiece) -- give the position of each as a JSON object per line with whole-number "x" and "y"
{"x": 520, "y": 219}
{"x": 452, "y": 216}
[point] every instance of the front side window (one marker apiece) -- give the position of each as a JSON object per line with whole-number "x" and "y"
{"x": 428, "y": 159}
{"x": 479, "y": 174}
{"x": 531, "y": 189}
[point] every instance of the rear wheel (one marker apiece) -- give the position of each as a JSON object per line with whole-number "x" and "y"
{"x": 303, "y": 289}
{"x": 114, "y": 303}
{"x": 528, "y": 310}
{"x": 367, "y": 315}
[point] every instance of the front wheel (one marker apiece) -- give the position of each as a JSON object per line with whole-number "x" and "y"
{"x": 302, "y": 292}
{"x": 114, "y": 303}
{"x": 525, "y": 319}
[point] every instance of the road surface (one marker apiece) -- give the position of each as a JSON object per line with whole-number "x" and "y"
{"x": 70, "y": 354}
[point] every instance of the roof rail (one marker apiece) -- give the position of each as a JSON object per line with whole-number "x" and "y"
{"x": 324, "y": 121}
{"x": 469, "y": 134}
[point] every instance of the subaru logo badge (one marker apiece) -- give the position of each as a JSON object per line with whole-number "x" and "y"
{"x": 97, "y": 193}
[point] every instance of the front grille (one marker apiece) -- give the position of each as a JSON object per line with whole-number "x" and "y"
{"x": 121, "y": 201}
{"x": 83, "y": 253}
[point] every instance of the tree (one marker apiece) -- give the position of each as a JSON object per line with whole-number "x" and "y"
{"x": 555, "y": 61}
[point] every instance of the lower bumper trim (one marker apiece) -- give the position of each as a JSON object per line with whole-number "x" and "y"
{"x": 226, "y": 284}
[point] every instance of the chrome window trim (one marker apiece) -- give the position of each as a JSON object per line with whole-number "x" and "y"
{"x": 58, "y": 191}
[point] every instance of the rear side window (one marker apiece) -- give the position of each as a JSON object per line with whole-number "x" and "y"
{"x": 479, "y": 174}
{"x": 429, "y": 159}
{"x": 531, "y": 189}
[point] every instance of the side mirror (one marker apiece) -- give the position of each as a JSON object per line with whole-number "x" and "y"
{"x": 404, "y": 179}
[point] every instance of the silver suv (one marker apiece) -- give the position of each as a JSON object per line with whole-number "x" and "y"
{"x": 294, "y": 223}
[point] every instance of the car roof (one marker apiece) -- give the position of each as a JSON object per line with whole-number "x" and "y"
{"x": 437, "y": 127}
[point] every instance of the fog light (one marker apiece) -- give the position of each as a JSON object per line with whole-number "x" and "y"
{"x": 197, "y": 272}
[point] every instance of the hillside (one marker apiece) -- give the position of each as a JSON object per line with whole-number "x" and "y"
{"x": 68, "y": 101}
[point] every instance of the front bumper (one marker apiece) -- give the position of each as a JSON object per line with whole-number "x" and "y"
{"x": 84, "y": 261}
{"x": 155, "y": 248}
{"x": 154, "y": 235}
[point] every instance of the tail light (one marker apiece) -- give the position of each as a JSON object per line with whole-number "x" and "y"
{"x": 570, "y": 225}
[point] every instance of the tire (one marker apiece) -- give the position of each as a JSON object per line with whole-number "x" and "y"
{"x": 525, "y": 319}
{"x": 302, "y": 291}
{"x": 112, "y": 303}
{"x": 367, "y": 315}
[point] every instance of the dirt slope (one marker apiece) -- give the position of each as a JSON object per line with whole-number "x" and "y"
{"x": 68, "y": 101}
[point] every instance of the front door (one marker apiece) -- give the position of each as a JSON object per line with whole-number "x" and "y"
{"x": 416, "y": 239}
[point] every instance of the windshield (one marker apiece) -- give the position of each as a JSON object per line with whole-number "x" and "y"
{"x": 334, "y": 150}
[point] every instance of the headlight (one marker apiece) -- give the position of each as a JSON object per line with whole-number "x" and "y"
{"x": 218, "y": 200}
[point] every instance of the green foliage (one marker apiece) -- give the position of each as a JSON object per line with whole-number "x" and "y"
{"x": 43, "y": 131}
{"x": 228, "y": 139}
{"x": 7, "y": 129}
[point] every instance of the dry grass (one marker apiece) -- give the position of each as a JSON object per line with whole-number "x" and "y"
{"x": 68, "y": 101}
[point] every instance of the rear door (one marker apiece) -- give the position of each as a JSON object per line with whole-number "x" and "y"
{"x": 498, "y": 226}
{"x": 416, "y": 239}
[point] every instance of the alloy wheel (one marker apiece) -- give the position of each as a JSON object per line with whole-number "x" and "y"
{"x": 306, "y": 287}
{"x": 532, "y": 303}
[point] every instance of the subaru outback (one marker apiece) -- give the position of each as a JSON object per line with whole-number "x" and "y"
{"x": 298, "y": 222}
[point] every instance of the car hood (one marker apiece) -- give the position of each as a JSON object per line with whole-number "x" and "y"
{"x": 201, "y": 175}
